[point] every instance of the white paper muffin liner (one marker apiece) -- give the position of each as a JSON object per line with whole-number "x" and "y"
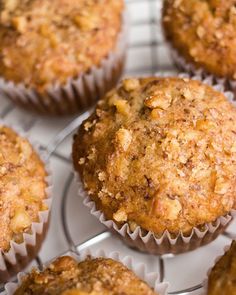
{"x": 205, "y": 282}
{"x": 20, "y": 255}
{"x": 78, "y": 93}
{"x": 147, "y": 241}
{"x": 189, "y": 68}
{"x": 152, "y": 279}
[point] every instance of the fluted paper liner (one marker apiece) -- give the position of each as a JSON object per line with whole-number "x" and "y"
{"x": 189, "y": 68}
{"x": 78, "y": 93}
{"x": 147, "y": 241}
{"x": 152, "y": 279}
{"x": 20, "y": 255}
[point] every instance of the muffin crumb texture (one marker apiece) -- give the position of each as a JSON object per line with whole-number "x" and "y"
{"x": 204, "y": 33}
{"x": 100, "y": 276}
{"x": 47, "y": 42}
{"x": 22, "y": 187}
{"x": 222, "y": 276}
{"x": 160, "y": 153}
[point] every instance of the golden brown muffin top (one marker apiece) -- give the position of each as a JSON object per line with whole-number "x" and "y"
{"x": 22, "y": 187}
{"x": 160, "y": 153}
{"x": 43, "y": 42}
{"x": 222, "y": 277}
{"x": 204, "y": 33}
{"x": 100, "y": 276}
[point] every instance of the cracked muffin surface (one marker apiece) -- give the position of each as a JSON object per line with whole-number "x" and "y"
{"x": 222, "y": 276}
{"x": 204, "y": 33}
{"x": 160, "y": 153}
{"x": 22, "y": 187}
{"x": 93, "y": 276}
{"x": 44, "y": 42}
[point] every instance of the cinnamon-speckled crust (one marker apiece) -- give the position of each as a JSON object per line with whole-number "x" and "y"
{"x": 222, "y": 276}
{"x": 160, "y": 153}
{"x": 43, "y": 42}
{"x": 204, "y": 33}
{"x": 100, "y": 276}
{"x": 22, "y": 187}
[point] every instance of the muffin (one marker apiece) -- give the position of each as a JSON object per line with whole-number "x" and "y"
{"x": 157, "y": 157}
{"x": 59, "y": 56}
{"x": 93, "y": 276}
{"x": 202, "y": 35}
{"x": 222, "y": 276}
{"x": 23, "y": 202}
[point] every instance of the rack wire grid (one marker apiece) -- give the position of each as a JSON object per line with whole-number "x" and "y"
{"x": 72, "y": 227}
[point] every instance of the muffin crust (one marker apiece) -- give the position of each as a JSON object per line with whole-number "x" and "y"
{"x": 100, "y": 276}
{"x": 160, "y": 153}
{"x": 222, "y": 277}
{"x": 22, "y": 187}
{"x": 204, "y": 33}
{"x": 44, "y": 42}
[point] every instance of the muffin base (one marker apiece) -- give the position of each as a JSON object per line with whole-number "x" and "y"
{"x": 78, "y": 94}
{"x": 139, "y": 269}
{"x": 20, "y": 255}
{"x": 148, "y": 242}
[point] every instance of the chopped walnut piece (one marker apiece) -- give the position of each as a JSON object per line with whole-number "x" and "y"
{"x": 122, "y": 106}
{"x": 233, "y": 148}
{"x": 20, "y": 23}
{"x": 133, "y": 225}
{"x": 131, "y": 84}
{"x": 92, "y": 155}
{"x": 221, "y": 186}
{"x": 112, "y": 98}
{"x": 3, "y": 169}
{"x": 177, "y": 3}
{"x": 156, "y": 114}
{"x": 10, "y": 5}
{"x": 26, "y": 150}
{"x": 158, "y": 100}
{"x": 85, "y": 22}
{"x": 88, "y": 125}
{"x": 187, "y": 94}
{"x": 124, "y": 138}
{"x": 193, "y": 51}
{"x": 233, "y": 10}
{"x": 204, "y": 124}
{"x": 218, "y": 34}
{"x": 20, "y": 221}
{"x": 102, "y": 176}
{"x": 168, "y": 207}
{"x": 200, "y": 31}
{"x": 183, "y": 159}
{"x": 81, "y": 161}
{"x": 120, "y": 215}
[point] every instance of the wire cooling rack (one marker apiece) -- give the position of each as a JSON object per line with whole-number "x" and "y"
{"x": 72, "y": 227}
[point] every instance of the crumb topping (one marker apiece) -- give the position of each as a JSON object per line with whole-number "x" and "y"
{"x": 164, "y": 159}
{"x": 203, "y": 32}
{"x": 47, "y": 42}
{"x": 222, "y": 277}
{"x": 22, "y": 187}
{"x": 100, "y": 276}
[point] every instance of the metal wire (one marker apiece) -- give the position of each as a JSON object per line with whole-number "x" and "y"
{"x": 55, "y": 142}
